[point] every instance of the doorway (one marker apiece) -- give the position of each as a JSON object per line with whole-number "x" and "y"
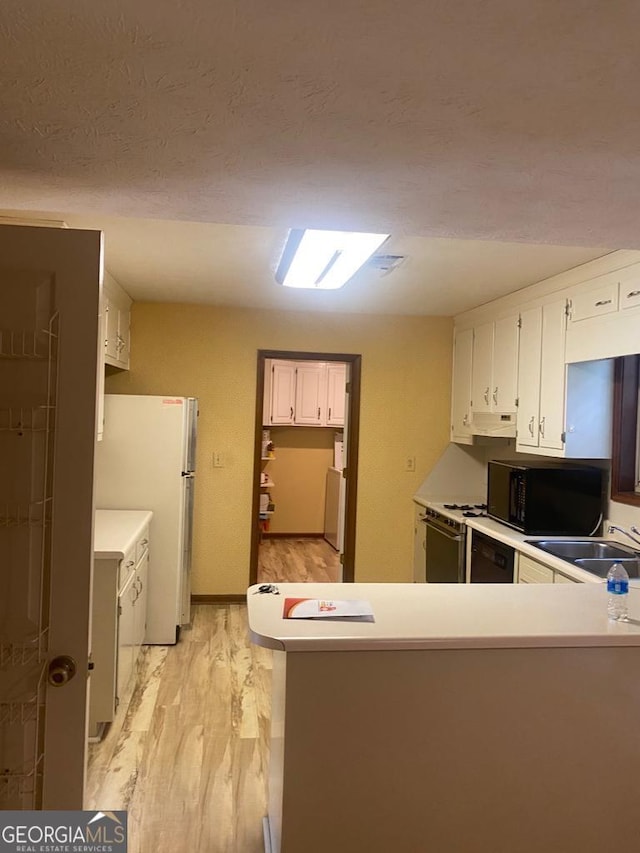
{"x": 308, "y": 550}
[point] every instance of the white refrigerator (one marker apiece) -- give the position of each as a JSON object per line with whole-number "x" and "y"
{"x": 146, "y": 460}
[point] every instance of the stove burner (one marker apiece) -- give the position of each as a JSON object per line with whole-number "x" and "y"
{"x": 472, "y": 514}
{"x": 480, "y": 506}
{"x": 457, "y": 506}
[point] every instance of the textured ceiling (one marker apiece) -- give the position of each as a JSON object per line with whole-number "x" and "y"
{"x": 166, "y": 261}
{"x": 491, "y": 120}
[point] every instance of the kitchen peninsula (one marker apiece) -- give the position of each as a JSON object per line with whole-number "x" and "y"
{"x": 466, "y": 718}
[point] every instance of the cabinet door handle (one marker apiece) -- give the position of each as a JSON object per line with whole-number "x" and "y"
{"x": 486, "y": 395}
{"x": 531, "y": 422}
{"x": 128, "y": 564}
{"x": 318, "y": 412}
{"x": 291, "y": 410}
{"x": 329, "y": 414}
{"x": 495, "y": 396}
{"x": 542, "y": 425}
{"x": 144, "y": 542}
{"x": 633, "y": 293}
{"x": 601, "y": 302}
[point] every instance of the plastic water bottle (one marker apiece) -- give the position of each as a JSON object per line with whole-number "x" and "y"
{"x": 618, "y": 589}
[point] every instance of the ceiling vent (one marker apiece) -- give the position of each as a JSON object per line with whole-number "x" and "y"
{"x": 385, "y": 264}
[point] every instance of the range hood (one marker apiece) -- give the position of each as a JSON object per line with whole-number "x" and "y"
{"x": 502, "y": 426}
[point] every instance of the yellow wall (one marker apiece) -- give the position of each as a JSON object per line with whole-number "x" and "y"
{"x": 210, "y": 352}
{"x": 299, "y": 471}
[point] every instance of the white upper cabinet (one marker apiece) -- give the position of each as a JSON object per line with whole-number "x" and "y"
{"x": 552, "y": 376}
{"x": 311, "y": 394}
{"x": 604, "y": 316}
{"x": 504, "y": 389}
{"x": 541, "y": 373}
{"x": 461, "y": 391}
{"x": 336, "y": 393}
{"x": 117, "y": 313}
{"x": 482, "y": 368}
{"x": 563, "y": 411}
{"x": 495, "y": 366}
{"x": 529, "y": 377}
{"x": 280, "y": 392}
{"x": 304, "y": 393}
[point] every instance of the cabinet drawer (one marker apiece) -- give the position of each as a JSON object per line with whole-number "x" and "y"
{"x": 142, "y": 544}
{"x": 595, "y": 301}
{"x": 559, "y": 578}
{"x": 531, "y": 572}
{"x": 127, "y": 564}
{"x": 629, "y": 294}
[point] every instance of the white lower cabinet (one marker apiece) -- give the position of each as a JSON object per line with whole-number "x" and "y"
{"x": 126, "y": 637}
{"x": 119, "y": 617}
{"x": 419, "y": 545}
{"x": 560, "y": 578}
{"x": 531, "y": 571}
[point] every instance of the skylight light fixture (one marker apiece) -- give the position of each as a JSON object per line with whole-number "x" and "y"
{"x": 325, "y": 259}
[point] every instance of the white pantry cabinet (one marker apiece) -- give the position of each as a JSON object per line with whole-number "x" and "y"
{"x": 495, "y": 366}
{"x": 336, "y": 393}
{"x": 311, "y": 394}
{"x": 279, "y": 392}
{"x": 461, "y": 390}
{"x": 304, "y": 393}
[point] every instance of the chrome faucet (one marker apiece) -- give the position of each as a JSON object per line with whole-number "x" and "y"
{"x": 614, "y": 527}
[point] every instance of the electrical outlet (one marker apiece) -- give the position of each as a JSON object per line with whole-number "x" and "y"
{"x": 218, "y": 461}
{"x": 410, "y": 463}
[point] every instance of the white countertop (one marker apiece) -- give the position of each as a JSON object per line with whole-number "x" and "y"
{"x": 116, "y": 531}
{"x": 507, "y": 535}
{"x": 447, "y": 616}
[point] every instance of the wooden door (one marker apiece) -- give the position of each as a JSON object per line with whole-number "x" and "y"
{"x": 50, "y": 283}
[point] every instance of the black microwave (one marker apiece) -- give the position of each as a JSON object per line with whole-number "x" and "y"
{"x": 548, "y": 498}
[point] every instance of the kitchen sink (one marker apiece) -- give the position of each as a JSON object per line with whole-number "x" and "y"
{"x": 593, "y": 555}
{"x": 601, "y": 567}
{"x": 572, "y": 549}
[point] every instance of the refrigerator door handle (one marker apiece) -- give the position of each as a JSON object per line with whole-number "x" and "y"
{"x": 192, "y": 419}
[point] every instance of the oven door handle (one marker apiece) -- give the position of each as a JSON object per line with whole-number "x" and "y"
{"x": 457, "y": 537}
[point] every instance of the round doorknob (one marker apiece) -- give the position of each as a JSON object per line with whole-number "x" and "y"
{"x": 61, "y": 670}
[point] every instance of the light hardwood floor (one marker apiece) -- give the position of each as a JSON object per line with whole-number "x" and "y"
{"x": 294, "y": 560}
{"x": 188, "y": 758}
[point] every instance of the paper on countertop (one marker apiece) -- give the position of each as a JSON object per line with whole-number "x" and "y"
{"x": 322, "y": 608}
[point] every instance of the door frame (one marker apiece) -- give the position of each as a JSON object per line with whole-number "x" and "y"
{"x": 353, "y": 434}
